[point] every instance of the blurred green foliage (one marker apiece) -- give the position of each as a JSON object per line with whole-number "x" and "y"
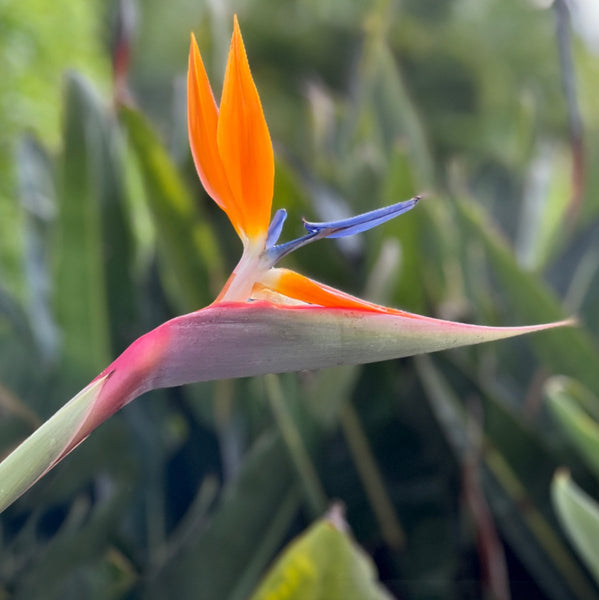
{"x": 38, "y": 42}
{"x": 444, "y": 463}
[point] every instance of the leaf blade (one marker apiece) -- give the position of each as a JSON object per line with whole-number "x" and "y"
{"x": 579, "y": 515}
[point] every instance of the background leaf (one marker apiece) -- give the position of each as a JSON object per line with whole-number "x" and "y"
{"x": 579, "y": 515}
{"x": 322, "y": 563}
{"x": 576, "y": 409}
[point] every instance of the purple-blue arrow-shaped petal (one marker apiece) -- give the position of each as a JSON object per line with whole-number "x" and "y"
{"x": 363, "y": 222}
{"x": 275, "y": 227}
{"x": 330, "y": 229}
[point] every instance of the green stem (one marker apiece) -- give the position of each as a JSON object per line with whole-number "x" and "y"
{"x": 371, "y": 477}
{"x": 315, "y": 495}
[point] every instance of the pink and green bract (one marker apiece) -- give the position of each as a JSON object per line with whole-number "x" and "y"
{"x": 266, "y": 319}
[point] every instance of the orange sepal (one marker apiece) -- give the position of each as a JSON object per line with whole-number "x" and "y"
{"x": 244, "y": 144}
{"x": 298, "y": 287}
{"x": 202, "y": 120}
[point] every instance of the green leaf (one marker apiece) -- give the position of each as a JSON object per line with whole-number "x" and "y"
{"x": 33, "y": 59}
{"x": 571, "y": 350}
{"x": 82, "y": 542}
{"x": 80, "y": 298}
{"x": 383, "y": 109}
{"x": 411, "y": 233}
{"x": 295, "y": 444}
{"x": 225, "y": 557}
{"x": 568, "y": 401}
{"x": 545, "y": 202}
{"x": 191, "y": 266}
{"x": 523, "y": 524}
{"x": 322, "y": 564}
{"x": 37, "y": 193}
{"x": 38, "y": 453}
{"x": 579, "y": 516}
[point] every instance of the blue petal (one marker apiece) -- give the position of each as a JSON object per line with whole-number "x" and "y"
{"x": 332, "y": 229}
{"x": 363, "y": 222}
{"x": 275, "y": 227}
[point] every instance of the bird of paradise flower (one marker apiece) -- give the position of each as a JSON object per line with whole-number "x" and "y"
{"x": 266, "y": 319}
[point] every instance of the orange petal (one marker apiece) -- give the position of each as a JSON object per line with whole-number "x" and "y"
{"x": 202, "y": 119}
{"x": 244, "y": 144}
{"x": 298, "y": 287}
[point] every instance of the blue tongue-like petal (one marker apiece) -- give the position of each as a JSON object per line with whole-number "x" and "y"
{"x": 363, "y": 222}
{"x": 275, "y": 227}
{"x": 330, "y": 229}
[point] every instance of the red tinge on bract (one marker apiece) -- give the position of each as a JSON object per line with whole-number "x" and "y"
{"x": 231, "y": 146}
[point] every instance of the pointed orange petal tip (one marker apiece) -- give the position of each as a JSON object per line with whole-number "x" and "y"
{"x": 244, "y": 144}
{"x": 298, "y": 287}
{"x": 202, "y": 120}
